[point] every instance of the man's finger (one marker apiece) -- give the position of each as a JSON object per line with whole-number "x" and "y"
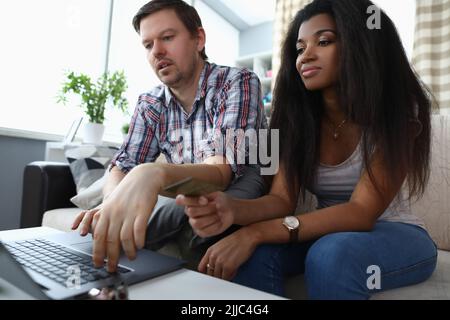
{"x": 99, "y": 243}
{"x": 86, "y": 223}
{"x": 139, "y": 229}
{"x": 113, "y": 246}
{"x": 95, "y": 219}
{"x": 78, "y": 219}
{"x": 127, "y": 240}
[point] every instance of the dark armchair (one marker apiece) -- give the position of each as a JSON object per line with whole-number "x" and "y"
{"x": 46, "y": 186}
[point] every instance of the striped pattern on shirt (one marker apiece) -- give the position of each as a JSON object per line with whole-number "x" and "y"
{"x": 227, "y": 99}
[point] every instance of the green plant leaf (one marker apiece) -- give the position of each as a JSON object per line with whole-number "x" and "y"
{"x": 95, "y": 95}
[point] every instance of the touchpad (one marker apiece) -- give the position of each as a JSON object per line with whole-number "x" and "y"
{"x": 85, "y": 247}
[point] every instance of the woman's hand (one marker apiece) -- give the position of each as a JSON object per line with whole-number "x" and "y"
{"x": 209, "y": 215}
{"x": 223, "y": 259}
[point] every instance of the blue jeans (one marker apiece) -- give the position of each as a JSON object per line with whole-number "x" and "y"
{"x": 340, "y": 265}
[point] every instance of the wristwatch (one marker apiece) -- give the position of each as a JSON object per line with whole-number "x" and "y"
{"x": 293, "y": 225}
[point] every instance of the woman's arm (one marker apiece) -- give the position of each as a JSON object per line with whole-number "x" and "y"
{"x": 359, "y": 214}
{"x": 274, "y": 205}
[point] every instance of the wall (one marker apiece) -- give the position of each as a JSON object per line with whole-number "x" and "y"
{"x": 256, "y": 39}
{"x": 222, "y": 39}
{"x": 16, "y": 153}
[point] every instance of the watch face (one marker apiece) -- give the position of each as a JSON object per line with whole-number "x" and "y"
{"x": 291, "y": 222}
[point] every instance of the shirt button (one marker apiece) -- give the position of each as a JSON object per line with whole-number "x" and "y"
{"x": 188, "y": 148}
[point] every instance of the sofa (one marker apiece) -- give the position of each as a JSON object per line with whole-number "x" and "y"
{"x": 48, "y": 187}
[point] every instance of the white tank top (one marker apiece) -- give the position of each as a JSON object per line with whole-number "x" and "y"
{"x": 335, "y": 184}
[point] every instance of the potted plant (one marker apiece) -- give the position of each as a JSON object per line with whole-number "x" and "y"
{"x": 94, "y": 96}
{"x": 125, "y": 129}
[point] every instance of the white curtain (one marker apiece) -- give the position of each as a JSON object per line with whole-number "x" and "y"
{"x": 431, "y": 55}
{"x": 285, "y": 12}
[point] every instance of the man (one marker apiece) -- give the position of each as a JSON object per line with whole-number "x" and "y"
{"x": 184, "y": 118}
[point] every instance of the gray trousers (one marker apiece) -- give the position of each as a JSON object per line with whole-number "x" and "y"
{"x": 168, "y": 220}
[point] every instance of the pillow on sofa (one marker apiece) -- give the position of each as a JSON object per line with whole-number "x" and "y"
{"x": 88, "y": 164}
{"x": 433, "y": 207}
{"x": 92, "y": 196}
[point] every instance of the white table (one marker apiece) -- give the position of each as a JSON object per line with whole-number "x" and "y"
{"x": 178, "y": 285}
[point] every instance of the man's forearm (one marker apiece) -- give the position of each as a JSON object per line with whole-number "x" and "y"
{"x": 114, "y": 178}
{"x": 168, "y": 174}
{"x": 163, "y": 174}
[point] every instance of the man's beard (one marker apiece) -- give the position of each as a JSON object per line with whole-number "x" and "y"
{"x": 172, "y": 82}
{"x": 177, "y": 79}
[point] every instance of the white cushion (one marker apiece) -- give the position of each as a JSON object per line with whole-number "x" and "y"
{"x": 91, "y": 196}
{"x": 434, "y": 207}
{"x": 60, "y": 219}
{"x": 88, "y": 163}
{"x": 437, "y": 287}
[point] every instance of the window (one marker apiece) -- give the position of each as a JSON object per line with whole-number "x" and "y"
{"x": 128, "y": 54}
{"x": 40, "y": 40}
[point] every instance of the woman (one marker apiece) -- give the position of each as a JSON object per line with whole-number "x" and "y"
{"x": 354, "y": 126}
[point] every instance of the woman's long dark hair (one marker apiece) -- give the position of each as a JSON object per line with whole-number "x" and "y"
{"x": 378, "y": 91}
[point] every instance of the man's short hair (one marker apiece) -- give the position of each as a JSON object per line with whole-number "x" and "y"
{"x": 186, "y": 13}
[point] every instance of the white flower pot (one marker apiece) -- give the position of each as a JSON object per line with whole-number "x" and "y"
{"x": 93, "y": 133}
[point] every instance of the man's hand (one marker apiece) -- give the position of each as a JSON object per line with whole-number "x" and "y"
{"x": 223, "y": 259}
{"x": 209, "y": 215}
{"x": 86, "y": 220}
{"x": 121, "y": 221}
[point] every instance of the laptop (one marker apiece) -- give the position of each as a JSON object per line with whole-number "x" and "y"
{"x": 60, "y": 266}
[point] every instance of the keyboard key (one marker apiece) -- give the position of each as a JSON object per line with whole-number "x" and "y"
{"x": 53, "y": 261}
{"x": 59, "y": 272}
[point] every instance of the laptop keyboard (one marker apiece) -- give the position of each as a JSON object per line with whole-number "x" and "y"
{"x": 54, "y": 261}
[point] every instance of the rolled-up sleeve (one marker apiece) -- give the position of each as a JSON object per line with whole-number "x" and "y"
{"x": 141, "y": 144}
{"x": 239, "y": 110}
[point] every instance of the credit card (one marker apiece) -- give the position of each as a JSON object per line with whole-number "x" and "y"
{"x": 190, "y": 187}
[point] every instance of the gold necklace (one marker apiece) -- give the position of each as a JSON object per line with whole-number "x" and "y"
{"x": 336, "y": 128}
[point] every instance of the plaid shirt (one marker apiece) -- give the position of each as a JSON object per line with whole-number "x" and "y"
{"x": 227, "y": 98}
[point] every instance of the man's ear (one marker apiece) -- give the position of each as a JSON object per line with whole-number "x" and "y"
{"x": 201, "y": 37}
